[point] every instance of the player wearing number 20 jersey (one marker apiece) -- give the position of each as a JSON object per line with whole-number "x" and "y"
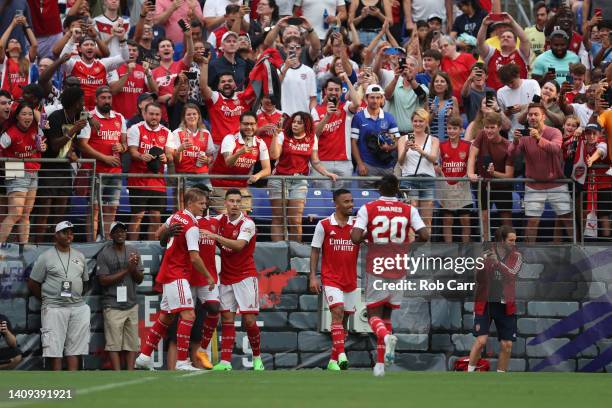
{"x": 386, "y": 224}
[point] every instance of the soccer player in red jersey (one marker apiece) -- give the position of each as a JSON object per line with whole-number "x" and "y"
{"x": 209, "y": 299}
{"x": 239, "y": 290}
{"x": 332, "y": 239}
{"x": 386, "y": 223}
{"x": 182, "y": 255}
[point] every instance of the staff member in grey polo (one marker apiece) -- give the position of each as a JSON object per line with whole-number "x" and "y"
{"x": 59, "y": 277}
{"x": 119, "y": 272}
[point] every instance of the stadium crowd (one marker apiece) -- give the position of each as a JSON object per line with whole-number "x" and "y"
{"x": 418, "y": 88}
{"x": 424, "y": 89}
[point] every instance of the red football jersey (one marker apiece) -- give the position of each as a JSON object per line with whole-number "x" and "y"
{"x": 335, "y": 140}
{"x": 295, "y": 157}
{"x": 237, "y": 266}
{"x": 338, "y": 253}
{"x": 497, "y": 60}
{"x": 92, "y": 77}
{"x": 176, "y": 263}
{"x": 242, "y": 166}
{"x": 110, "y": 132}
{"x": 17, "y": 144}
{"x": 207, "y": 252}
{"x": 145, "y": 138}
{"x": 264, "y": 119}
{"x": 165, "y": 80}
{"x": 200, "y": 143}
{"x": 126, "y": 101}
{"x": 454, "y": 160}
{"x": 224, "y": 114}
{"x": 387, "y": 223}
{"x": 12, "y": 78}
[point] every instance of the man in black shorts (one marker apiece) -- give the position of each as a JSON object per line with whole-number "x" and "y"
{"x": 489, "y": 160}
{"x": 494, "y": 297}
{"x": 10, "y": 354}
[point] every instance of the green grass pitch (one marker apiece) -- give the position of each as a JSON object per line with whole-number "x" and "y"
{"x": 314, "y": 389}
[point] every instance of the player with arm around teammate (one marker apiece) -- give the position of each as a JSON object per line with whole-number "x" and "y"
{"x": 182, "y": 254}
{"x": 332, "y": 241}
{"x": 385, "y": 223}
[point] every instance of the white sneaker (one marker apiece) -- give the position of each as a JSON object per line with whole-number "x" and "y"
{"x": 609, "y": 172}
{"x": 379, "y": 370}
{"x": 390, "y": 343}
{"x": 144, "y": 362}
{"x": 185, "y": 365}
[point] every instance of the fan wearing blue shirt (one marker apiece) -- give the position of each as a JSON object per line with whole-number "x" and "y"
{"x": 374, "y": 135}
{"x": 555, "y": 63}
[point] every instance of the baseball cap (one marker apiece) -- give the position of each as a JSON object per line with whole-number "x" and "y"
{"x": 593, "y": 126}
{"x": 375, "y": 89}
{"x": 227, "y": 34}
{"x": 117, "y": 224}
{"x": 433, "y": 16}
{"x": 102, "y": 89}
{"x": 146, "y": 95}
{"x": 63, "y": 225}
{"x": 559, "y": 32}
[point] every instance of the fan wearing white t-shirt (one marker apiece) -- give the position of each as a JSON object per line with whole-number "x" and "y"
{"x": 298, "y": 82}
{"x": 516, "y": 94}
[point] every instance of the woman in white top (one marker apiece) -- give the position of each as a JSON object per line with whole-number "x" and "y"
{"x": 418, "y": 152}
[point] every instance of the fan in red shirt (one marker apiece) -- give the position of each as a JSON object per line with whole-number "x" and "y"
{"x": 269, "y": 118}
{"x": 181, "y": 257}
{"x": 168, "y": 69}
{"x": 15, "y": 68}
{"x": 455, "y": 196}
{"x": 386, "y": 223}
{"x": 508, "y": 53}
{"x": 129, "y": 81}
{"x": 191, "y": 147}
{"x": 239, "y": 290}
{"x": 332, "y": 240}
{"x": 296, "y": 149}
{"x": 22, "y": 140}
{"x": 238, "y": 154}
{"x": 457, "y": 65}
{"x": 224, "y": 105}
{"x": 91, "y": 71}
{"x": 146, "y": 143}
{"x": 105, "y": 145}
{"x": 332, "y": 121}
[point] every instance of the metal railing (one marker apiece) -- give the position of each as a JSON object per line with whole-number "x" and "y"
{"x": 62, "y": 193}
{"x": 451, "y": 215}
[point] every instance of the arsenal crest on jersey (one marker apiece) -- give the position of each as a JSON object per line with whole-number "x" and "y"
{"x": 162, "y": 139}
{"x": 462, "y": 155}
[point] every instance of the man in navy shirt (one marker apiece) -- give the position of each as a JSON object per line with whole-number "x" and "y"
{"x": 229, "y": 62}
{"x": 374, "y": 135}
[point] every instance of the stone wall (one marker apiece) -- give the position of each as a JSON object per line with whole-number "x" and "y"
{"x": 555, "y": 291}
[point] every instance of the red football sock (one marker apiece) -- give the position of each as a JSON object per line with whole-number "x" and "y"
{"x": 388, "y": 325}
{"x": 337, "y": 333}
{"x": 380, "y": 349}
{"x": 228, "y": 336}
{"x": 155, "y": 334}
{"x": 378, "y": 327}
{"x": 183, "y": 333}
{"x": 254, "y": 339}
{"x": 210, "y": 324}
